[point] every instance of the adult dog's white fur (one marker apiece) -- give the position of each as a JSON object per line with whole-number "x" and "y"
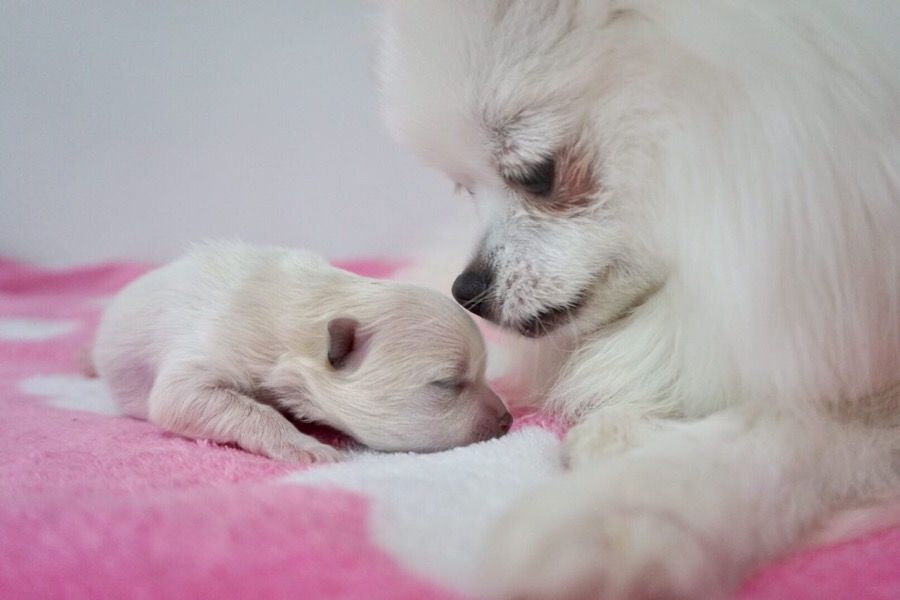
{"x": 723, "y": 228}
{"x": 225, "y": 342}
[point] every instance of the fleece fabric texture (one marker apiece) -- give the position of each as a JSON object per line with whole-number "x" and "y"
{"x": 96, "y": 505}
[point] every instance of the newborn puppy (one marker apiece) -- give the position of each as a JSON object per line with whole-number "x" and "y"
{"x": 224, "y": 342}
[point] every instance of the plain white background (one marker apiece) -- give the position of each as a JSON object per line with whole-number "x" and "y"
{"x": 128, "y": 129}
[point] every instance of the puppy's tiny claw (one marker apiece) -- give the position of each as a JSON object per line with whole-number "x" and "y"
{"x": 307, "y": 454}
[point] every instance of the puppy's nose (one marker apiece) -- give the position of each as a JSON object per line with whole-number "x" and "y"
{"x": 491, "y": 429}
{"x": 471, "y": 290}
{"x": 505, "y": 423}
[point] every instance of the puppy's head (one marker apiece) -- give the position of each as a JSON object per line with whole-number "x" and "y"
{"x": 522, "y": 105}
{"x": 405, "y": 370}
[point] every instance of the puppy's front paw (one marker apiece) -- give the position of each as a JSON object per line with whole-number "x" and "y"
{"x": 565, "y": 544}
{"x": 304, "y": 453}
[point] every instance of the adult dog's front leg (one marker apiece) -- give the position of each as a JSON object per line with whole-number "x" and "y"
{"x": 688, "y": 513}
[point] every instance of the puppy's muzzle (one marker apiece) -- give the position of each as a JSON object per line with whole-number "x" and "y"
{"x": 496, "y": 419}
{"x": 472, "y": 289}
{"x": 505, "y": 423}
{"x": 494, "y": 427}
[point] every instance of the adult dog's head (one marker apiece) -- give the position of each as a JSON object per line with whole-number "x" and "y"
{"x": 533, "y": 108}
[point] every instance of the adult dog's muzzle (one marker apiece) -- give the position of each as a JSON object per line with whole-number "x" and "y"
{"x": 472, "y": 289}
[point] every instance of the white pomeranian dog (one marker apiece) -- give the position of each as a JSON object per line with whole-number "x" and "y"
{"x": 704, "y": 196}
{"x": 233, "y": 342}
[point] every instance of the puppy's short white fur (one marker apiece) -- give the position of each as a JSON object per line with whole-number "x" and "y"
{"x": 225, "y": 342}
{"x": 705, "y": 196}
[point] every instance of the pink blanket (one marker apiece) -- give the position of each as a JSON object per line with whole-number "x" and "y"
{"x": 95, "y": 505}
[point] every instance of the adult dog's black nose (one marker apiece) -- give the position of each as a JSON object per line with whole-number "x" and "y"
{"x": 472, "y": 288}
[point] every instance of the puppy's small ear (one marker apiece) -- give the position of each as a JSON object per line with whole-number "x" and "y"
{"x": 342, "y": 340}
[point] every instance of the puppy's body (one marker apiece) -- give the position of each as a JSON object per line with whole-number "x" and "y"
{"x": 705, "y": 195}
{"x": 215, "y": 344}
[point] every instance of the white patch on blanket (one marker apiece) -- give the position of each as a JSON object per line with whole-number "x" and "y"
{"x": 30, "y": 330}
{"x": 71, "y": 392}
{"x": 432, "y": 512}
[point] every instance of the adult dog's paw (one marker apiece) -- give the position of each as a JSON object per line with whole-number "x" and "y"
{"x": 608, "y": 432}
{"x": 568, "y": 542}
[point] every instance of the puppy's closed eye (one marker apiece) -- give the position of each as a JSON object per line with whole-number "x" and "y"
{"x": 449, "y": 385}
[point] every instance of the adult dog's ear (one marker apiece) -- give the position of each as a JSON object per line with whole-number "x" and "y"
{"x": 343, "y": 341}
